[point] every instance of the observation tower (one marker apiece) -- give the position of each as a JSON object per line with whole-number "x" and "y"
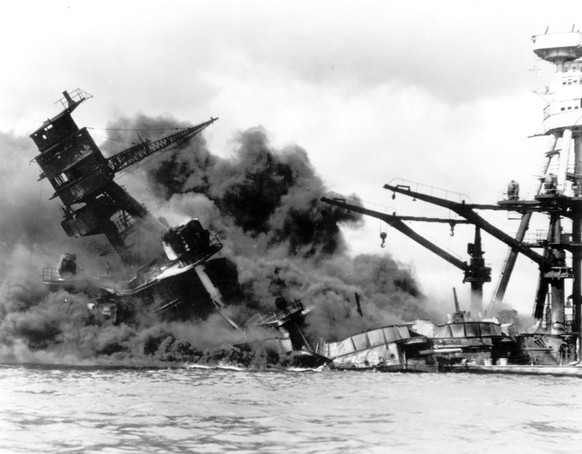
{"x": 562, "y": 192}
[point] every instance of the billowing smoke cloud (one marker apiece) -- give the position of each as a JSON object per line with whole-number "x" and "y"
{"x": 265, "y": 205}
{"x": 284, "y": 240}
{"x": 271, "y": 195}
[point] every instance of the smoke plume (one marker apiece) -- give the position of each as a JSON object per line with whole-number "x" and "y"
{"x": 265, "y": 205}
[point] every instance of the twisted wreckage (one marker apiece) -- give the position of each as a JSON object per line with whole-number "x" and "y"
{"x": 175, "y": 272}
{"x": 171, "y": 273}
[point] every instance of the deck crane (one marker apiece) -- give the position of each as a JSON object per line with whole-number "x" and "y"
{"x": 468, "y": 212}
{"x": 475, "y": 272}
{"x": 137, "y": 153}
{"x": 552, "y": 269}
{"x": 83, "y": 179}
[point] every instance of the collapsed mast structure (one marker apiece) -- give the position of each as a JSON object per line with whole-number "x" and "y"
{"x": 83, "y": 179}
{"x": 168, "y": 269}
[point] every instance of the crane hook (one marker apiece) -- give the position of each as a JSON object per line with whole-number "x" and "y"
{"x": 383, "y": 236}
{"x": 452, "y": 228}
{"x": 393, "y": 195}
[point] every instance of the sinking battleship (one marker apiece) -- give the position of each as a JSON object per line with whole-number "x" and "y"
{"x": 174, "y": 272}
{"x": 94, "y": 204}
{"x": 487, "y": 339}
{"x": 167, "y": 272}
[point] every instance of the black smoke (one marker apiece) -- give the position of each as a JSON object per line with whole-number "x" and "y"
{"x": 284, "y": 240}
{"x": 267, "y": 193}
{"x": 265, "y": 205}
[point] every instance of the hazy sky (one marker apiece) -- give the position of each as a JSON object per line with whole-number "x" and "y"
{"x": 438, "y": 92}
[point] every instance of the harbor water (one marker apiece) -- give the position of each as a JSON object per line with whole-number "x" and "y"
{"x": 48, "y": 409}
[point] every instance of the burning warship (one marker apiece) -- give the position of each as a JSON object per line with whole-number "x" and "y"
{"x": 167, "y": 272}
{"x": 488, "y": 339}
{"x": 176, "y": 273}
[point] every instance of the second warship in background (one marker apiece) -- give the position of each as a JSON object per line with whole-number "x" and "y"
{"x": 166, "y": 272}
{"x": 552, "y": 345}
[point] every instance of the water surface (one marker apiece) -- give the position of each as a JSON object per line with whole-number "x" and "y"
{"x": 117, "y": 410}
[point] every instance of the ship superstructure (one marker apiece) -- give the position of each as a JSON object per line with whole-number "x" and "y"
{"x": 170, "y": 270}
{"x": 561, "y": 195}
{"x": 93, "y": 203}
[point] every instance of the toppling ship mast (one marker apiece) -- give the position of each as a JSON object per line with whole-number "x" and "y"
{"x": 172, "y": 276}
{"x": 84, "y": 181}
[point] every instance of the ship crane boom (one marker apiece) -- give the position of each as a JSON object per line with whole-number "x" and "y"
{"x": 476, "y": 272}
{"x": 145, "y": 149}
{"x": 397, "y": 222}
{"x": 467, "y": 212}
